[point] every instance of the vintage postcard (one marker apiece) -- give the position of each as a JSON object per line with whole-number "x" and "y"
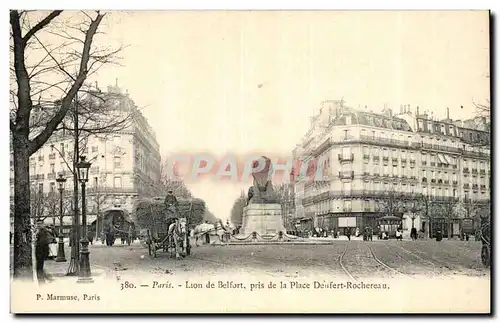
{"x": 250, "y": 161}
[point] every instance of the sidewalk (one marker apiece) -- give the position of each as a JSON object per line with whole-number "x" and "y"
{"x": 58, "y": 270}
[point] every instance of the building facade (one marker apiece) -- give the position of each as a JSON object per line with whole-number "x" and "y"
{"x": 383, "y": 164}
{"x": 125, "y": 165}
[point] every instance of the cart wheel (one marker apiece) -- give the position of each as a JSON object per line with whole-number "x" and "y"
{"x": 485, "y": 255}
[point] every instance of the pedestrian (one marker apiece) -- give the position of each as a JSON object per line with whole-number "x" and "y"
{"x": 348, "y": 233}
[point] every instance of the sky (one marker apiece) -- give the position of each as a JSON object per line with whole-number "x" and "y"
{"x": 235, "y": 82}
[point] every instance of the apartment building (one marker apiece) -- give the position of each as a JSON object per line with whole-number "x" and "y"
{"x": 125, "y": 163}
{"x": 377, "y": 164}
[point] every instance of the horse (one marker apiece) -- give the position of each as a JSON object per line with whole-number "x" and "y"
{"x": 222, "y": 231}
{"x": 44, "y": 237}
{"x": 177, "y": 233}
{"x": 203, "y": 229}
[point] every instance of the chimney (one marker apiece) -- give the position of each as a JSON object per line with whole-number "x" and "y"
{"x": 448, "y": 113}
{"x": 417, "y": 111}
{"x": 401, "y": 109}
{"x": 408, "y": 109}
{"x": 116, "y": 82}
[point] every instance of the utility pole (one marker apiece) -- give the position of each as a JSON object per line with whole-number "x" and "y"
{"x": 74, "y": 268}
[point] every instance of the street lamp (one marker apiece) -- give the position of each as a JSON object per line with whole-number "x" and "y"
{"x": 60, "y": 250}
{"x": 83, "y": 176}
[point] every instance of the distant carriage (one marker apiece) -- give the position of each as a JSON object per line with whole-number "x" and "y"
{"x": 115, "y": 222}
{"x": 388, "y": 224}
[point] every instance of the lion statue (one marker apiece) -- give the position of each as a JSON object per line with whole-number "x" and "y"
{"x": 262, "y": 192}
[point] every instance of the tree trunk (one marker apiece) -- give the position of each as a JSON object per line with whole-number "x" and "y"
{"x": 22, "y": 227}
{"x": 450, "y": 229}
{"x": 412, "y": 222}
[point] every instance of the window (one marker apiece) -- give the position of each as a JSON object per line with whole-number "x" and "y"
{"x": 363, "y": 133}
{"x": 96, "y": 181}
{"x": 95, "y": 149}
{"x": 117, "y": 182}
{"x": 51, "y": 148}
{"x": 61, "y": 148}
{"x": 346, "y": 152}
{"x": 52, "y": 187}
{"x": 386, "y": 170}
{"x": 117, "y": 161}
{"x": 375, "y": 151}
{"x": 346, "y": 187}
{"x": 373, "y": 134}
{"x": 40, "y": 188}
{"x": 52, "y": 168}
{"x": 346, "y": 134}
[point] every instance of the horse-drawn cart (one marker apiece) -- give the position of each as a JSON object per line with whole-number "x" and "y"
{"x": 159, "y": 238}
{"x": 161, "y": 230}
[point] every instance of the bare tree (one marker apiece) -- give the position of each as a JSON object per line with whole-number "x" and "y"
{"x": 167, "y": 183}
{"x": 51, "y": 57}
{"x": 392, "y": 202}
{"x": 237, "y": 209}
{"x": 415, "y": 207}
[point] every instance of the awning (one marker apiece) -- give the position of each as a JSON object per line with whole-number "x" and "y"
{"x": 448, "y": 160}
{"x": 442, "y": 160}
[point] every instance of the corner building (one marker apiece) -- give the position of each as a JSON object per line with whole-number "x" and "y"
{"x": 368, "y": 155}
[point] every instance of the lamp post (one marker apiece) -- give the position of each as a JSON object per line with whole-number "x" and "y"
{"x": 83, "y": 176}
{"x": 61, "y": 257}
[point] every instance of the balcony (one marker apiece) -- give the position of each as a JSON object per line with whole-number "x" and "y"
{"x": 51, "y": 176}
{"x": 395, "y": 161}
{"x": 386, "y": 159}
{"x": 376, "y": 174}
{"x": 403, "y": 176}
{"x": 467, "y": 153}
{"x": 110, "y": 190}
{"x": 40, "y": 158}
{"x": 412, "y": 162}
{"x": 366, "y": 157}
{"x": 455, "y": 183}
{"x": 433, "y": 180}
{"x": 376, "y": 158}
{"x": 32, "y": 177}
{"x": 366, "y": 174}
{"x": 447, "y": 182}
{"x": 440, "y": 181}
{"x": 474, "y": 171}
{"x": 94, "y": 170}
{"x": 344, "y": 158}
{"x": 454, "y": 166}
{"x": 466, "y": 186}
{"x": 346, "y": 175}
{"x": 433, "y": 164}
{"x": 52, "y": 156}
{"x": 385, "y": 175}
{"x": 40, "y": 177}
{"x": 483, "y": 187}
{"x": 474, "y": 186}
{"x": 413, "y": 177}
{"x": 466, "y": 170}
{"x": 482, "y": 172}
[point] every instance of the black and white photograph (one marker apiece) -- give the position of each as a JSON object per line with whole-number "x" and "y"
{"x": 250, "y": 161}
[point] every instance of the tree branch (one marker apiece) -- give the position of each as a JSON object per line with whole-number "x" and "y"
{"x": 44, "y": 22}
{"x": 42, "y": 138}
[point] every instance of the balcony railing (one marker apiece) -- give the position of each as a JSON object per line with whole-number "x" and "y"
{"x": 474, "y": 171}
{"x": 412, "y": 161}
{"x": 447, "y": 181}
{"x": 346, "y": 175}
{"x": 385, "y": 159}
{"x": 110, "y": 190}
{"x": 433, "y": 163}
{"x": 455, "y": 183}
{"x": 348, "y": 158}
{"x": 483, "y": 186}
{"x": 474, "y": 186}
{"x": 466, "y": 170}
{"x": 474, "y": 154}
{"x": 51, "y": 176}
{"x": 466, "y": 186}
{"x": 482, "y": 172}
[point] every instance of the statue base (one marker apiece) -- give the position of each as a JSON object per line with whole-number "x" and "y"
{"x": 264, "y": 219}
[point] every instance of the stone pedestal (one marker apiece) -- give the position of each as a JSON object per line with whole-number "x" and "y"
{"x": 265, "y": 219}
